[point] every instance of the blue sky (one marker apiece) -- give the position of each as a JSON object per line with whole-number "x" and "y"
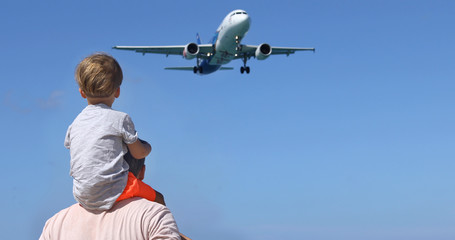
{"x": 353, "y": 142}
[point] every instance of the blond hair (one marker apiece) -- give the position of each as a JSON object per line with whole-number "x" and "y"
{"x": 99, "y": 75}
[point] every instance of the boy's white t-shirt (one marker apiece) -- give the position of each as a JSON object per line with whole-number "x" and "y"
{"x": 97, "y": 141}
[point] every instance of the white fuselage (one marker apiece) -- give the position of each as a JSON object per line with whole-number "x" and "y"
{"x": 228, "y": 36}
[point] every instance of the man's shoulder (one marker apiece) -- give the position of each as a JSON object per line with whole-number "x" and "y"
{"x": 145, "y": 211}
{"x": 130, "y": 204}
{"x": 137, "y": 203}
{"x": 139, "y": 216}
{"x": 68, "y": 209}
{"x": 62, "y": 214}
{"x": 53, "y": 226}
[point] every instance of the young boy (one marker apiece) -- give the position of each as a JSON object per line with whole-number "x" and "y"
{"x": 99, "y": 137}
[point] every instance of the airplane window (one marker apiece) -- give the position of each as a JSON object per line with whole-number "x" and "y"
{"x": 238, "y": 13}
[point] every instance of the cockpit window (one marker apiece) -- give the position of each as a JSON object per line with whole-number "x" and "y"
{"x": 238, "y": 13}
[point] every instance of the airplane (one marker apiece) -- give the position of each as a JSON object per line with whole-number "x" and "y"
{"x": 224, "y": 47}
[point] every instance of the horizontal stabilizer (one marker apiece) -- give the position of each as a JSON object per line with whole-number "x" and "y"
{"x": 180, "y": 68}
{"x": 192, "y": 68}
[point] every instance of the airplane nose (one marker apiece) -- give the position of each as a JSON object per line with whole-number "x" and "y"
{"x": 243, "y": 21}
{"x": 247, "y": 20}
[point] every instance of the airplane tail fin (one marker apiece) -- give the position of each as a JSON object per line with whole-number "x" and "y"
{"x": 198, "y": 39}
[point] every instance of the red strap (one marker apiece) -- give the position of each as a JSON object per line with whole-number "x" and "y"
{"x": 137, "y": 188}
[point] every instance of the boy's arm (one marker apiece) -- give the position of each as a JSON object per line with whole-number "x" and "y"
{"x": 139, "y": 149}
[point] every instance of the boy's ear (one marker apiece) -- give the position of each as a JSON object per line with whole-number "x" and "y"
{"x": 82, "y": 93}
{"x": 117, "y": 93}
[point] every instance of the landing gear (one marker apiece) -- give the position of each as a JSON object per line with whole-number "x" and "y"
{"x": 245, "y": 68}
{"x": 197, "y": 69}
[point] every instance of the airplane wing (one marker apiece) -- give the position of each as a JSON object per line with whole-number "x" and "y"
{"x": 204, "y": 49}
{"x": 249, "y": 50}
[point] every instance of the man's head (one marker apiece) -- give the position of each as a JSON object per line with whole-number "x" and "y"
{"x": 99, "y": 75}
{"x": 137, "y": 166}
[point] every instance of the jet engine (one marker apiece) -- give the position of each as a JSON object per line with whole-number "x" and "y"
{"x": 191, "y": 50}
{"x": 263, "y": 51}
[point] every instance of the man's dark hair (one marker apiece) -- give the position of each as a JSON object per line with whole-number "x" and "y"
{"x": 135, "y": 164}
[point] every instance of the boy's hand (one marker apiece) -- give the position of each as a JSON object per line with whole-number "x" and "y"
{"x": 140, "y": 149}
